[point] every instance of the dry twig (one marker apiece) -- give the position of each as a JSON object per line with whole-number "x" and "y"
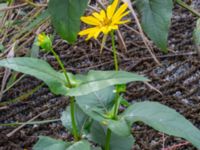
{"x": 21, "y": 126}
{"x": 141, "y": 31}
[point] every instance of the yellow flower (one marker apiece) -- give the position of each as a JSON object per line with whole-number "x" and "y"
{"x": 44, "y": 42}
{"x": 105, "y": 21}
{"x": 41, "y": 38}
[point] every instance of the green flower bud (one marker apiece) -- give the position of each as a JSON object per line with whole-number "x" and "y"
{"x": 44, "y": 42}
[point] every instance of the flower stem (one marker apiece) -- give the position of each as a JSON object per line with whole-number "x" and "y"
{"x": 72, "y": 112}
{"x": 184, "y": 5}
{"x": 116, "y": 106}
{"x": 72, "y": 100}
{"x": 108, "y": 137}
{"x": 62, "y": 67}
{"x": 114, "y": 51}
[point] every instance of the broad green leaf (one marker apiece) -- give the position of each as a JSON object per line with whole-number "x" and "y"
{"x": 97, "y": 80}
{"x": 96, "y": 148}
{"x": 155, "y": 19}
{"x": 99, "y": 102}
{"x": 81, "y": 119}
{"x": 81, "y": 145}
{"x": 98, "y": 106}
{"x": 163, "y": 119}
{"x": 47, "y": 143}
{"x": 120, "y": 127}
{"x": 65, "y": 16}
{"x": 39, "y": 69}
{"x": 98, "y": 135}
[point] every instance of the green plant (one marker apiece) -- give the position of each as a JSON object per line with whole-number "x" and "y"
{"x": 95, "y": 97}
{"x": 155, "y": 18}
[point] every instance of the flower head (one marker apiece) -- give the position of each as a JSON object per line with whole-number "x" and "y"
{"x": 105, "y": 21}
{"x": 44, "y": 41}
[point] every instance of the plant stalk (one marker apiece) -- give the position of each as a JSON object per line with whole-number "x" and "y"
{"x": 116, "y": 106}
{"x": 114, "y": 51}
{"x": 62, "y": 67}
{"x": 72, "y": 99}
{"x": 72, "y": 113}
{"x": 184, "y": 5}
{"x": 108, "y": 137}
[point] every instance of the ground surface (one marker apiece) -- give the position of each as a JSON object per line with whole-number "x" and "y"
{"x": 178, "y": 79}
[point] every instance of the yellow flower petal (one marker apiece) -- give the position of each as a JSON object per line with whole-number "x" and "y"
{"x": 90, "y": 35}
{"x": 105, "y": 30}
{"x": 118, "y": 18}
{"x": 120, "y": 11}
{"x": 122, "y": 15}
{"x": 41, "y": 37}
{"x": 97, "y": 33}
{"x": 90, "y": 32}
{"x": 44, "y": 41}
{"x": 90, "y": 20}
{"x": 103, "y": 14}
{"x": 111, "y": 9}
{"x": 98, "y": 16}
{"x": 114, "y": 27}
{"x": 123, "y": 22}
{"x": 84, "y": 32}
{"x": 87, "y": 31}
{"x": 105, "y": 21}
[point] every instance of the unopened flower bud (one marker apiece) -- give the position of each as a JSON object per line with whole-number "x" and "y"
{"x": 44, "y": 42}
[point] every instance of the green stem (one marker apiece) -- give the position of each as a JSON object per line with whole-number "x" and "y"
{"x": 114, "y": 51}
{"x": 72, "y": 112}
{"x": 108, "y": 137}
{"x": 116, "y": 106}
{"x": 184, "y": 5}
{"x": 72, "y": 100}
{"x": 62, "y": 67}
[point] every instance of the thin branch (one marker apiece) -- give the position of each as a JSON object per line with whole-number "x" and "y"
{"x": 20, "y": 127}
{"x": 177, "y": 146}
{"x": 141, "y": 31}
{"x": 101, "y": 4}
{"x": 184, "y": 5}
{"x": 121, "y": 40}
{"x": 13, "y": 7}
{"x": 153, "y": 88}
{"x": 35, "y": 4}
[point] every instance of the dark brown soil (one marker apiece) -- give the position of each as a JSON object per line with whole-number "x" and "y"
{"x": 178, "y": 79}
